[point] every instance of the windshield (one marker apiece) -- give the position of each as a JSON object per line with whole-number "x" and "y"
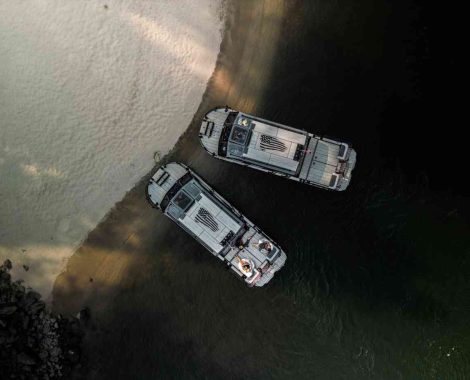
{"x": 182, "y": 200}
{"x": 239, "y": 135}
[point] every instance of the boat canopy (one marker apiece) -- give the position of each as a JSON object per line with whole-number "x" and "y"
{"x": 268, "y": 145}
{"x": 203, "y": 215}
{"x": 181, "y": 197}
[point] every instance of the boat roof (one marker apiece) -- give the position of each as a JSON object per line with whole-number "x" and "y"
{"x": 185, "y": 200}
{"x": 202, "y": 214}
{"x": 266, "y": 143}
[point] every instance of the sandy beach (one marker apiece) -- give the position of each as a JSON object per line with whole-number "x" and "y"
{"x": 88, "y": 93}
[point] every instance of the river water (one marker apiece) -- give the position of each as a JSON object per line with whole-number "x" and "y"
{"x": 376, "y": 281}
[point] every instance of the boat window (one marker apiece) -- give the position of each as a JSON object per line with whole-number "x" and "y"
{"x": 239, "y": 135}
{"x": 225, "y": 134}
{"x": 230, "y": 118}
{"x": 192, "y": 189}
{"x": 164, "y": 203}
{"x": 244, "y": 121}
{"x": 235, "y": 150}
{"x": 185, "y": 179}
{"x": 174, "y": 211}
{"x": 274, "y": 254}
{"x": 182, "y": 200}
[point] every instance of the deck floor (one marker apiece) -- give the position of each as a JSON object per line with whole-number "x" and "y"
{"x": 212, "y": 143}
{"x": 320, "y": 162}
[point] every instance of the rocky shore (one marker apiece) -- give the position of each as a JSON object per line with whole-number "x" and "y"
{"x": 34, "y": 342}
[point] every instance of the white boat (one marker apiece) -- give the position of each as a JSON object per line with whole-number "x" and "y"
{"x": 191, "y": 203}
{"x": 275, "y": 148}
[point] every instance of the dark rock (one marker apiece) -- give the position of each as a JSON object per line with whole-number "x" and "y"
{"x": 85, "y": 315}
{"x": 19, "y": 291}
{"x": 31, "y": 298}
{"x": 35, "y": 343}
{"x": 5, "y": 277}
{"x": 43, "y": 355}
{"x": 7, "y": 309}
{"x": 7, "y": 264}
{"x": 73, "y": 356}
{"x": 25, "y": 359}
{"x": 37, "y": 307}
{"x": 33, "y": 295}
{"x": 26, "y": 267}
{"x": 25, "y": 322}
{"x": 55, "y": 352}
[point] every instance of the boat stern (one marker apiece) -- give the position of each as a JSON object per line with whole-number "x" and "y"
{"x": 257, "y": 258}
{"x": 345, "y": 168}
{"x": 271, "y": 270}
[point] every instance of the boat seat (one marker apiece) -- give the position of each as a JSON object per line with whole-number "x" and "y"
{"x": 264, "y": 266}
{"x": 343, "y": 152}
{"x": 333, "y": 181}
{"x": 162, "y": 179}
{"x": 341, "y": 167}
{"x": 209, "y": 128}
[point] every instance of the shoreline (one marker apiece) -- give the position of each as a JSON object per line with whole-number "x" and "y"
{"x": 126, "y": 237}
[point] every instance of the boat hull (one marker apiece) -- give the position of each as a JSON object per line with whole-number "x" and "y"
{"x": 297, "y": 155}
{"x": 197, "y": 208}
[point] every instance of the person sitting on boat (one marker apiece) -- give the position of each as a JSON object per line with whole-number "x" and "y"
{"x": 244, "y": 264}
{"x": 240, "y": 244}
{"x": 264, "y": 245}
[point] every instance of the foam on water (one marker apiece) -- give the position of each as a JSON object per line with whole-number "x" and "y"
{"x": 88, "y": 92}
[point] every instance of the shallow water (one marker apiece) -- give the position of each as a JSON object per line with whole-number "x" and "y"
{"x": 376, "y": 282}
{"x": 88, "y": 93}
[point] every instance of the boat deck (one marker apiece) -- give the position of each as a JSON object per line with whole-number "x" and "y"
{"x": 210, "y": 223}
{"x": 211, "y": 144}
{"x": 251, "y": 252}
{"x": 320, "y": 162}
{"x": 161, "y": 182}
{"x": 274, "y": 146}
